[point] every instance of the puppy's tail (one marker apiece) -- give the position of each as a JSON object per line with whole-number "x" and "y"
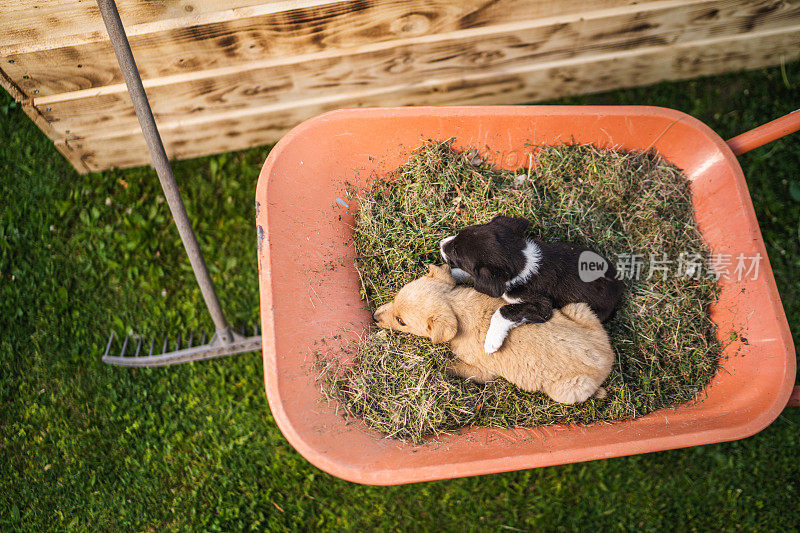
{"x": 580, "y": 313}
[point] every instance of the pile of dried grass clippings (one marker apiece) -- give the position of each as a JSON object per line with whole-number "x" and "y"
{"x": 618, "y": 203}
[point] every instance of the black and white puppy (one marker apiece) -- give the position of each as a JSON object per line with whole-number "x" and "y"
{"x": 534, "y": 277}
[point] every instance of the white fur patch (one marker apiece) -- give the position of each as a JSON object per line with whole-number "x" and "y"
{"x": 442, "y": 244}
{"x": 511, "y": 300}
{"x": 498, "y": 331}
{"x": 533, "y": 256}
{"x": 459, "y": 275}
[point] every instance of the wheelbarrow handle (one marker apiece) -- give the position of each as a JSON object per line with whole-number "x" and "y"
{"x": 760, "y": 136}
{"x": 765, "y": 133}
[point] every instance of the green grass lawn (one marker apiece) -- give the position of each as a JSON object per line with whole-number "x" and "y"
{"x": 87, "y": 446}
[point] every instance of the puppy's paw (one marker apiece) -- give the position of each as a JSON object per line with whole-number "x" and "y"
{"x": 493, "y": 342}
{"x": 601, "y": 393}
{"x": 498, "y": 330}
{"x": 574, "y": 390}
{"x": 460, "y": 275}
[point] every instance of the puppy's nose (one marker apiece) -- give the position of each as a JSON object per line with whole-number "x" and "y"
{"x": 375, "y": 316}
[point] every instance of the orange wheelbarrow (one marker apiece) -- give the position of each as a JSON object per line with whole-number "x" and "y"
{"x": 309, "y": 285}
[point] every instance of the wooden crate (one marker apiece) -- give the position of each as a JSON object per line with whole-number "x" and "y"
{"x": 228, "y": 74}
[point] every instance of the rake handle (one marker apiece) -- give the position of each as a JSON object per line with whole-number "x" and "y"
{"x": 127, "y": 64}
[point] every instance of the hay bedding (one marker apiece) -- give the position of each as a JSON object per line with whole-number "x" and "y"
{"x": 615, "y": 202}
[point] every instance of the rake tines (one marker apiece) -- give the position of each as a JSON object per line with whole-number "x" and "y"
{"x": 227, "y": 343}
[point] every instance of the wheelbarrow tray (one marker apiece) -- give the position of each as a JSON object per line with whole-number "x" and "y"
{"x": 310, "y": 289}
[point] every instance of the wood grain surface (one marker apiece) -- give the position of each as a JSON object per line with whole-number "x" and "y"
{"x": 283, "y": 35}
{"x": 228, "y": 74}
{"x": 529, "y": 83}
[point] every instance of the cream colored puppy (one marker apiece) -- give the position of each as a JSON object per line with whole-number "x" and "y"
{"x": 568, "y": 357}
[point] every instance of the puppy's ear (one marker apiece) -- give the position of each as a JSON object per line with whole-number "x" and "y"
{"x": 441, "y": 273}
{"x": 515, "y": 224}
{"x": 489, "y": 283}
{"x": 442, "y": 327}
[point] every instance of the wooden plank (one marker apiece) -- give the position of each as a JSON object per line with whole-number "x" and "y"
{"x": 290, "y": 33}
{"x": 8, "y": 84}
{"x": 527, "y": 83}
{"x": 42, "y": 123}
{"x": 28, "y": 25}
{"x": 73, "y": 156}
{"x": 239, "y": 91}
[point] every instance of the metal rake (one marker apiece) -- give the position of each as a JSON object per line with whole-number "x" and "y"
{"x": 225, "y": 340}
{"x": 128, "y": 356}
